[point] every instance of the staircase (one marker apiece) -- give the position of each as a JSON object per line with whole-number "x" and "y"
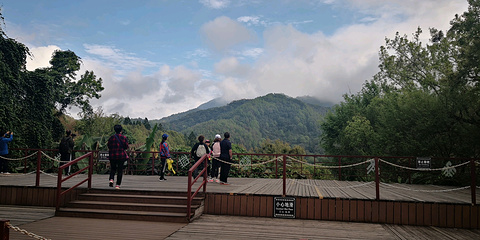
{"x": 132, "y": 205}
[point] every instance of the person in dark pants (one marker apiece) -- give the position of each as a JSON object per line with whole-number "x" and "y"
{"x": 65, "y": 149}
{"x": 215, "y": 155}
{"x": 117, "y": 146}
{"x": 226, "y": 157}
{"x": 4, "y": 139}
{"x": 164, "y": 154}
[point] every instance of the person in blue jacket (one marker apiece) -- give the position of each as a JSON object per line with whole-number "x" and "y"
{"x": 6, "y": 137}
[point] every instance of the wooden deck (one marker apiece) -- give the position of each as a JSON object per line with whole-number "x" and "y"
{"x": 41, "y": 222}
{"x": 299, "y": 188}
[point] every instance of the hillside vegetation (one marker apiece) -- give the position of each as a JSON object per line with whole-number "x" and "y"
{"x": 274, "y": 116}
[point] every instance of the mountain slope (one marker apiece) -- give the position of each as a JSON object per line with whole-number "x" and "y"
{"x": 274, "y": 116}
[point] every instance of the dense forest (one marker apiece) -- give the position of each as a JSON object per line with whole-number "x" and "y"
{"x": 252, "y": 121}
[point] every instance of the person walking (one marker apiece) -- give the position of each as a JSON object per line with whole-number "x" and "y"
{"x": 198, "y": 151}
{"x": 6, "y": 137}
{"x": 164, "y": 155}
{"x": 226, "y": 155}
{"x": 65, "y": 148}
{"x": 117, "y": 146}
{"x": 215, "y": 156}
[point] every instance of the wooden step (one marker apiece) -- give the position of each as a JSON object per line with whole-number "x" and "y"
{"x": 131, "y": 206}
{"x": 122, "y": 214}
{"x": 153, "y": 199}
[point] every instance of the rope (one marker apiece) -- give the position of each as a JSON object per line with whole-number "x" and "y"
{"x": 424, "y": 169}
{"x": 23, "y": 231}
{"x": 427, "y": 191}
{"x": 53, "y": 159}
{"x": 322, "y": 166}
{"x": 18, "y": 159}
{"x": 242, "y": 165}
{"x": 315, "y": 185}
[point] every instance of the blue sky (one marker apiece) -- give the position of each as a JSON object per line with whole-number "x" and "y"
{"x": 161, "y": 57}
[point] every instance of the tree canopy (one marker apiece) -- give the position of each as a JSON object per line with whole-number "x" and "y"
{"x": 424, "y": 101}
{"x": 32, "y": 101}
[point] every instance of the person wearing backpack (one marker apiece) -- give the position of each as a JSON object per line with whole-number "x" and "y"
{"x": 65, "y": 148}
{"x": 198, "y": 150}
{"x": 215, "y": 156}
{"x": 117, "y": 146}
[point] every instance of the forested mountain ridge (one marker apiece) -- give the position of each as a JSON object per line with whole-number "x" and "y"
{"x": 250, "y": 121}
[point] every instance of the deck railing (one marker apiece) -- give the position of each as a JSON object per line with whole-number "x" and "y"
{"x": 386, "y": 169}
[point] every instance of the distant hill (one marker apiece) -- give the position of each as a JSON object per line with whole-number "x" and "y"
{"x": 274, "y": 116}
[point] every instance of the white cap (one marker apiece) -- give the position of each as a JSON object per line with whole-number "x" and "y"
{"x": 218, "y": 136}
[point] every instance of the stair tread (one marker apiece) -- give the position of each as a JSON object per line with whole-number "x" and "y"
{"x": 135, "y": 196}
{"x": 130, "y": 204}
{"x": 127, "y": 212}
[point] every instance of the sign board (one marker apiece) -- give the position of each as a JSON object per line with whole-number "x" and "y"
{"x": 423, "y": 162}
{"x": 284, "y": 207}
{"x": 103, "y": 156}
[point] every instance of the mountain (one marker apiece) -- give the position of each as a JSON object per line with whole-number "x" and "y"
{"x": 250, "y": 121}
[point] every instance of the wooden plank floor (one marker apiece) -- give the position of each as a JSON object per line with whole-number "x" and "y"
{"x": 295, "y": 187}
{"x": 41, "y": 222}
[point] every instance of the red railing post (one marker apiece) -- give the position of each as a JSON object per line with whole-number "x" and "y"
{"x": 284, "y": 175}
{"x": 39, "y": 161}
{"x": 4, "y": 230}
{"x": 276, "y": 166}
{"x": 473, "y": 185}
{"x": 90, "y": 170}
{"x": 25, "y": 162}
{"x": 189, "y": 195}
{"x": 377, "y": 180}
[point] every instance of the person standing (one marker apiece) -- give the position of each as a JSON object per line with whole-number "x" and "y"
{"x": 226, "y": 155}
{"x": 215, "y": 156}
{"x": 117, "y": 146}
{"x": 65, "y": 148}
{"x": 164, "y": 154}
{"x": 6, "y": 137}
{"x": 198, "y": 151}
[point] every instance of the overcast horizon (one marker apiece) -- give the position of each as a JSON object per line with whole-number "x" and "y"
{"x": 158, "y": 58}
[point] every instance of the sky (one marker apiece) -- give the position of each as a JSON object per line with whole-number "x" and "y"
{"x": 161, "y": 57}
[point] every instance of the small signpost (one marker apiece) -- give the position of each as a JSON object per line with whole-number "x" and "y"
{"x": 284, "y": 207}
{"x": 423, "y": 162}
{"x": 103, "y": 156}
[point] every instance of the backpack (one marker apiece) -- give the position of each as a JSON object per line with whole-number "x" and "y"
{"x": 201, "y": 150}
{"x": 64, "y": 148}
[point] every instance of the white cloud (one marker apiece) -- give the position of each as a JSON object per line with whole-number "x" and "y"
{"x": 215, "y": 4}
{"x": 223, "y": 33}
{"x": 41, "y": 57}
{"x": 252, "y": 20}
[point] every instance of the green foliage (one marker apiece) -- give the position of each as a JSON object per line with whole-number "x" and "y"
{"x": 424, "y": 101}
{"x": 274, "y": 116}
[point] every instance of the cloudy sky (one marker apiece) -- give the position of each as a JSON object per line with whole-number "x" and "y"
{"x": 161, "y": 57}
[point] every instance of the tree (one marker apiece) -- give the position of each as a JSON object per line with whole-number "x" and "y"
{"x": 424, "y": 101}
{"x": 146, "y": 124}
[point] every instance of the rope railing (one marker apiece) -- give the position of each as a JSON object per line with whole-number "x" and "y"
{"x": 250, "y": 164}
{"x": 18, "y": 159}
{"x": 336, "y": 167}
{"x": 23, "y": 231}
{"x": 424, "y": 169}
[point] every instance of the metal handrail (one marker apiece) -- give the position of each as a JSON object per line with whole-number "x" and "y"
{"x": 203, "y": 173}
{"x": 60, "y": 180}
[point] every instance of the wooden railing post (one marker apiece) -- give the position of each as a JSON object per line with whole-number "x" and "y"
{"x": 90, "y": 170}
{"x": 4, "y": 230}
{"x": 39, "y": 165}
{"x": 377, "y": 180}
{"x": 284, "y": 175}
{"x": 473, "y": 185}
